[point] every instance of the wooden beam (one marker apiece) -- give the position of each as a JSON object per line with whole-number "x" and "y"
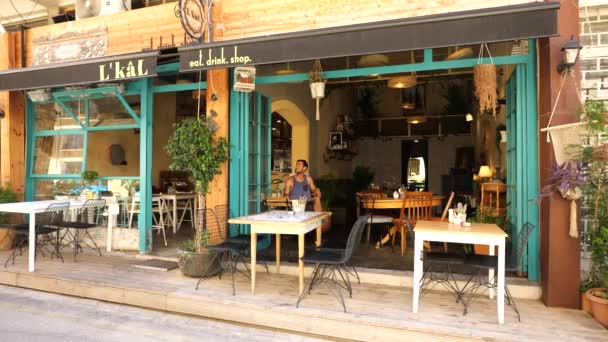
{"x": 12, "y": 126}
{"x": 218, "y": 84}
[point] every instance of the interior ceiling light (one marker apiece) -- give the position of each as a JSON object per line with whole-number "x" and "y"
{"x": 414, "y": 120}
{"x": 460, "y": 53}
{"x": 287, "y": 71}
{"x": 469, "y": 117}
{"x": 408, "y": 105}
{"x": 372, "y": 60}
{"x": 401, "y": 82}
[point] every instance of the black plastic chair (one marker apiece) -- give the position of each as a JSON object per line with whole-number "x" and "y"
{"x": 483, "y": 263}
{"x": 331, "y": 263}
{"x": 227, "y": 253}
{"x": 87, "y": 217}
{"x": 48, "y": 223}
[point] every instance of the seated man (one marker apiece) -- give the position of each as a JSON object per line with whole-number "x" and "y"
{"x": 302, "y": 185}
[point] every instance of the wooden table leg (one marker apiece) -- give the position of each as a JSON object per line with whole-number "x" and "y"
{"x": 278, "y": 252}
{"x": 300, "y": 262}
{"x": 388, "y": 236}
{"x": 319, "y": 232}
{"x": 254, "y": 243}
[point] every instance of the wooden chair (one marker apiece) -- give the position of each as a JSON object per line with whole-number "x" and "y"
{"x": 443, "y": 216}
{"x": 418, "y": 205}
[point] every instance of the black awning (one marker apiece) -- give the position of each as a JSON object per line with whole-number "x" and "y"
{"x": 532, "y": 20}
{"x": 105, "y": 69}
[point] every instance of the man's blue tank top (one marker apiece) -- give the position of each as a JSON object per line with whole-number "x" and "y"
{"x": 300, "y": 189}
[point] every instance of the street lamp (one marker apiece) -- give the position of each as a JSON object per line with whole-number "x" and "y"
{"x": 570, "y": 53}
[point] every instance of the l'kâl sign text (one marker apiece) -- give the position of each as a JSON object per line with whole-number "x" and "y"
{"x": 119, "y": 70}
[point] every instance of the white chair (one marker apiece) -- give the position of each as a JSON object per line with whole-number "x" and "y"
{"x": 159, "y": 206}
{"x": 185, "y": 206}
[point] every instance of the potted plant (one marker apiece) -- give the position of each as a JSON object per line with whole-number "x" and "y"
{"x": 568, "y": 180}
{"x": 89, "y": 178}
{"x": 317, "y": 84}
{"x": 489, "y": 216}
{"x": 7, "y": 195}
{"x": 193, "y": 147}
{"x": 594, "y": 159}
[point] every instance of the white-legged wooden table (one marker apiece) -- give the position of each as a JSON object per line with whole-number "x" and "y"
{"x": 32, "y": 208}
{"x": 174, "y": 197}
{"x": 477, "y": 233}
{"x": 281, "y": 222}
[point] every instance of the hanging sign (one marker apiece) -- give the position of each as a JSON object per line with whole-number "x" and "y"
{"x": 192, "y": 17}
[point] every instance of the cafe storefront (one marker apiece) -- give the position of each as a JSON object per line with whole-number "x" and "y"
{"x": 66, "y": 113}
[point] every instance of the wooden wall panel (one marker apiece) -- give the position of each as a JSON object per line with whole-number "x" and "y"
{"x": 127, "y": 32}
{"x": 247, "y": 19}
{"x": 12, "y": 126}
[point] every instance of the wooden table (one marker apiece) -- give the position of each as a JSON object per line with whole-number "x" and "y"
{"x": 395, "y": 203}
{"x": 32, "y": 208}
{"x": 477, "y": 233}
{"x": 281, "y": 222}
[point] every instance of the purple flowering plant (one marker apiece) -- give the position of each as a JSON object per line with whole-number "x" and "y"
{"x": 565, "y": 178}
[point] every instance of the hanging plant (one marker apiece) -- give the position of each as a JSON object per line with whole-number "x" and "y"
{"x": 568, "y": 180}
{"x": 484, "y": 77}
{"x": 317, "y": 84}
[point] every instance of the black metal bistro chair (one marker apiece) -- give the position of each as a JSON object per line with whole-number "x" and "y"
{"x": 483, "y": 263}
{"x": 87, "y": 217}
{"x": 225, "y": 252}
{"x": 48, "y": 224}
{"x": 331, "y": 263}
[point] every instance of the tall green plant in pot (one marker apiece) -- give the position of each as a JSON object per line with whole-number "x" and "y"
{"x": 194, "y": 148}
{"x": 594, "y": 156}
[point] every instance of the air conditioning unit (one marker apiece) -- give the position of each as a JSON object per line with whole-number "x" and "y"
{"x": 92, "y": 8}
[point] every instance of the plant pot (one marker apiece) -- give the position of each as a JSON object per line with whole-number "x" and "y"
{"x": 599, "y": 306}
{"x": 317, "y": 90}
{"x": 6, "y": 239}
{"x": 585, "y": 303}
{"x": 193, "y": 264}
{"x": 484, "y": 249}
{"x": 326, "y": 226}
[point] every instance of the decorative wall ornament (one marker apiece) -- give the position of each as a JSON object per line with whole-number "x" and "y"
{"x": 244, "y": 79}
{"x": 70, "y": 46}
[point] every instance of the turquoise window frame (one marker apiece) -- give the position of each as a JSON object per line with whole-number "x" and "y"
{"x": 524, "y": 131}
{"x": 145, "y": 89}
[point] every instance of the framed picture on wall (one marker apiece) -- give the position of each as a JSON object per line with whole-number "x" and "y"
{"x": 335, "y": 141}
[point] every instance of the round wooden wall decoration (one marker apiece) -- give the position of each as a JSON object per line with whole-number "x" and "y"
{"x": 192, "y": 17}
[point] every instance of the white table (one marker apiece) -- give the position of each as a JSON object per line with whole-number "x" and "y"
{"x": 174, "y": 197}
{"x": 477, "y": 233}
{"x": 281, "y": 222}
{"x": 32, "y": 208}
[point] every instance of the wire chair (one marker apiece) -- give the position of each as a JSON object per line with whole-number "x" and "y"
{"x": 332, "y": 263}
{"x": 47, "y": 222}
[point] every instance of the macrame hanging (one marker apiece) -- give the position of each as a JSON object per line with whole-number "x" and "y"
{"x": 484, "y": 77}
{"x": 317, "y": 84}
{"x": 563, "y": 138}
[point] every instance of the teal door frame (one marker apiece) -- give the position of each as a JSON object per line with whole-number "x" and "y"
{"x": 522, "y": 132}
{"x": 249, "y": 122}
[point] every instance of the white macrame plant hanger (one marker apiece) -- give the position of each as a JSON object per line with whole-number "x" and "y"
{"x": 563, "y": 138}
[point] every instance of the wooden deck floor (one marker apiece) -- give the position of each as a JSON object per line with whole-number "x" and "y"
{"x": 375, "y": 313}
